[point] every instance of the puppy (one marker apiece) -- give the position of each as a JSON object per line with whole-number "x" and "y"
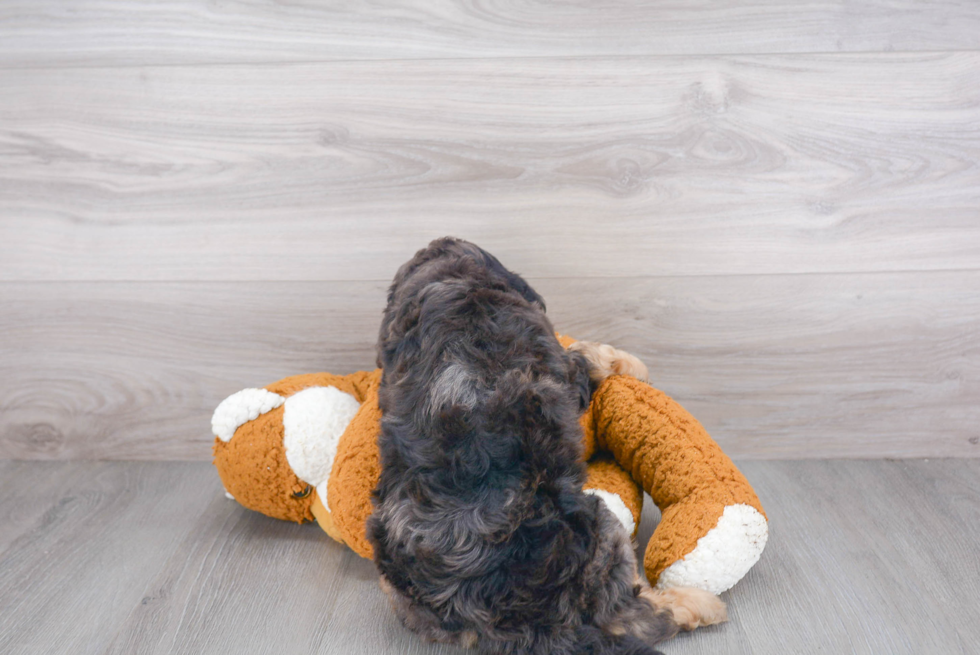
{"x": 481, "y": 531}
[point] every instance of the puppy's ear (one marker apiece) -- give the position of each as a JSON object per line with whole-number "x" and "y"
{"x": 579, "y": 378}
{"x": 395, "y": 326}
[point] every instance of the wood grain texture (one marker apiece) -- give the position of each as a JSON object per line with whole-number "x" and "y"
{"x": 101, "y": 532}
{"x": 773, "y": 366}
{"x": 134, "y": 371}
{"x": 99, "y": 32}
{"x": 562, "y": 167}
{"x": 864, "y": 557}
{"x": 27, "y": 499}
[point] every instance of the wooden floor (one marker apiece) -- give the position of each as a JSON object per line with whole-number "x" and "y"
{"x": 875, "y": 557}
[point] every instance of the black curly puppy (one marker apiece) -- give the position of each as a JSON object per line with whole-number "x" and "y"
{"x": 481, "y": 531}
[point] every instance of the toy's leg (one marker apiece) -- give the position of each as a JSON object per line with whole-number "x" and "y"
{"x": 712, "y": 528}
{"x": 624, "y": 498}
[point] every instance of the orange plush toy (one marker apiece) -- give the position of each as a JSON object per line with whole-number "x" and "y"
{"x": 305, "y": 448}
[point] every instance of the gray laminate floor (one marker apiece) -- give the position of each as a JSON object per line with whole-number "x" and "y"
{"x": 97, "y": 557}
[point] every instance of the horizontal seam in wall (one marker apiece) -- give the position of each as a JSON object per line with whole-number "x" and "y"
{"x": 909, "y": 272}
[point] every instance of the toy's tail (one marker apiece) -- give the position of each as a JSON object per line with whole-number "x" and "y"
{"x": 593, "y": 641}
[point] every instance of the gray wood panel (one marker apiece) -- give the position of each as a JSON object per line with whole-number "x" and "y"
{"x": 867, "y": 365}
{"x": 562, "y": 167}
{"x": 99, "y": 32}
{"x": 864, "y": 557}
{"x": 134, "y": 371}
{"x": 26, "y": 504}
{"x": 102, "y": 531}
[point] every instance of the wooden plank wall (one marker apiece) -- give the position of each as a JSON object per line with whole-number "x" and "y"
{"x": 775, "y": 204}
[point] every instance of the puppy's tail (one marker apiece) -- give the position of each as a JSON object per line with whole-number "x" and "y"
{"x": 593, "y": 641}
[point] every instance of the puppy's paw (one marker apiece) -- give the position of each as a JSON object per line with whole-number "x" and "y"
{"x": 604, "y": 360}
{"x": 691, "y": 607}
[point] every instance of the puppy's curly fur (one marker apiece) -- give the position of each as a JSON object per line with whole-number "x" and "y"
{"x": 481, "y": 531}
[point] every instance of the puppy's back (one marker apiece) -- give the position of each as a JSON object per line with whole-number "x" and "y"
{"x": 481, "y": 530}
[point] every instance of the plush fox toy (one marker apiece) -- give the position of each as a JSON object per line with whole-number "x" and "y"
{"x": 305, "y": 448}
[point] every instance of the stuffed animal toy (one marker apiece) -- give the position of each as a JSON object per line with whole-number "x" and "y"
{"x": 305, "y": 448}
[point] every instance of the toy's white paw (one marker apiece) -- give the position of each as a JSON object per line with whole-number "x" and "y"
{"x": 724, "y": 555}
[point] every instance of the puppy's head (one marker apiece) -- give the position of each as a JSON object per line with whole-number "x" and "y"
{"x": 442, "y": 261}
